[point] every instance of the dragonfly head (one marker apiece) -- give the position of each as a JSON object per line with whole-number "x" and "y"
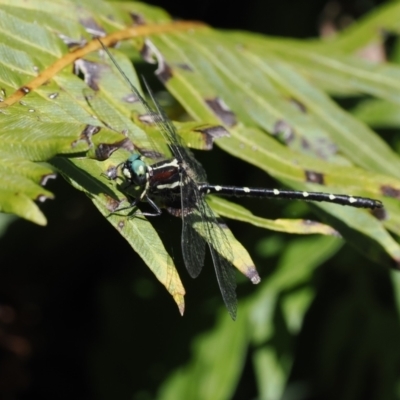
{"x": 135, "y": 170}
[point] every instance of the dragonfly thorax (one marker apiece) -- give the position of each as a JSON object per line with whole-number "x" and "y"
{"x": 135, "y": 170}
{"x": 165, "y": 176}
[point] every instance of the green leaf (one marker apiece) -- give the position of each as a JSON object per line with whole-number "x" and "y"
{"x": 300, "y": 226}
{"x": 208, "y": 377}
{"x": 378, "y": 113}
{"x": 138, "y": 232}
{"x": 365, "y": 32}
{"x": 256, "y": 87}
{"x": 287, "y": 289}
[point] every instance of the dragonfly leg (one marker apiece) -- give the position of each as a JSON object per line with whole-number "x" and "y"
{"x": 157, "y": 210}
{"x": 133, "y": 204}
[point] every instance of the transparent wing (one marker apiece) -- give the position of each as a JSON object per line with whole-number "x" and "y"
{"x": 203, "y": 224}
{"x": 193, "y": 245}
{"x": 178, "y": 148}
{"x": 226, "y": 277}
{"x": 199, "y": 224}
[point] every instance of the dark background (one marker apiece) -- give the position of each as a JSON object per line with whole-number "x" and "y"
{"x": 89, "y": 297}
{"x": 292, "y": 18}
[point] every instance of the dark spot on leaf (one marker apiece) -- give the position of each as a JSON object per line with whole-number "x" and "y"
{"x": 390, "y": 191}
{"x": 88, "y": 132}
{"x": 111, "y": 203}
{"x": 71, "y": 42}
{"x": 130, "y": 98}
{"x": 111, "y": 17}
{"x": 252, "y": 274}
{"x": 42, "y": 198}
{"x": 121, "y": 225}
{"x": 299, "y": 105}
{"x": 305, "y": 144}
{"x": 214, "y": 132}
{"x": 184, "y": 66}
{"x": 283, "y": 131}
{"x": 152, "y": 55}
{"x": 137, "y": 19}
{"x": 46, "y": 178}
{"x": 309, "y": 222}
{"x": 91, "y": 72}
{"x": 155, "y": 155}
{"x": 379, "y": 213}
{"x": 314, "y": 177}
{"x": 150, "y": 118}
{"x": 222, "y": 111}
{"x": 324, "y": 148}
{"x": 333, "y": 148}
{"x": 164, "y": 72}
{"x": 147, "y": 52}
{"x": 210, "y": 133}
{"x": 92, "y": 27}
{"x": 111, "y": 173}
{"x": 127, "y": 145}
{"x": 104, "y": 151}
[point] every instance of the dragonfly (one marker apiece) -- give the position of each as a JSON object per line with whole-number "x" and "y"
{"x": 181, "y": 184}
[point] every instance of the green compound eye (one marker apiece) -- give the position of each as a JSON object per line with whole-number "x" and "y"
{"x": 135, "y": 169}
